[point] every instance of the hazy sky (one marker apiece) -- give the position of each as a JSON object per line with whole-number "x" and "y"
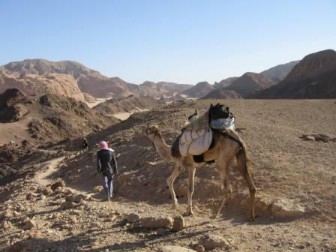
{"x": 183, "y": 41}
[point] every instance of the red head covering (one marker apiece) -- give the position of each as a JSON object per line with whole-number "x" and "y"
{"x": 103, "y": 145}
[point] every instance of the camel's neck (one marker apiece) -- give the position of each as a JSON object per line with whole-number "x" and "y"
{"x": 162, "y": 147}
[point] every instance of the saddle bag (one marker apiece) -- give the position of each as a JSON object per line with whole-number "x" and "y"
{"x": 195, "y": 142}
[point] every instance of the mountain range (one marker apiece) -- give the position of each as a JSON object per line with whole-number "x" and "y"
{"x": 312, "y": 77}
{"x": 72, "y": 79}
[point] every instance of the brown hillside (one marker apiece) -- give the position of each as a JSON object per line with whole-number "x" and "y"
{"x": 13, "y": 105}
{"x": 199, "y": 90}
{"x": 314, "y": 77}
{"x": 103, "y": 87}
{"x": 37, "y": 85}
{"x": 127, "y": 104}
{"x": 224, "y": 83}
{"x": 49, "y": 118}
{"x": 314, "y": 64}
{"x": 222, "y": 93}
{"x": 279, "y": 72}
{"x": 249, "y": 84}
{"x": 161, "y": 89}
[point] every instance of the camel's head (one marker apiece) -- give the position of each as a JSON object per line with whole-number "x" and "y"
{"x": 151, "y": 132}
{"x": 192, "y": 117}
{"x": 219, "y": 111}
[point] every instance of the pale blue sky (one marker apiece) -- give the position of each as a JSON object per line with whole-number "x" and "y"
{"x": 183, "y": 41}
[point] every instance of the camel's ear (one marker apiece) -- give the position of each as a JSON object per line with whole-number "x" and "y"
{"x": 228, "y": 109}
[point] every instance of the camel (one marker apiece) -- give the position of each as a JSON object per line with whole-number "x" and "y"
{"x": 227, "y": 146}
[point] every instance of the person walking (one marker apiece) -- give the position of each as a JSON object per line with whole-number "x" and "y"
{"x": 107, "y": 166}
{"x": 85, "y": 144}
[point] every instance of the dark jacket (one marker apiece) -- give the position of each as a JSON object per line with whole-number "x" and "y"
{"x": 106, "y": 162}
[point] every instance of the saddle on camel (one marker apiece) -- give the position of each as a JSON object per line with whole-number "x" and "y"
{"x": 197, "y": 135}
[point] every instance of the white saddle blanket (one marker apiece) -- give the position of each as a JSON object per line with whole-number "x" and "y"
{"x": 223, "y": 123}
{"x": 195, "y": 142}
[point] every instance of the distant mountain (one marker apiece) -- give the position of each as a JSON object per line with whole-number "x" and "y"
{"x": 103, "y": 87}
{"x": 42, "y": 66}
{"x": 127, "y": 104}
{"x": 249, "y": 84}
{"x": 222, "y": 93}
{"x": 199, "y": 90}
{"x": 279, "y": 72}
{"x": 224, "y": 83}
{"x": 157, "y": 90}
{"x": 313, "y": 77}
{"x": 88, "y": 80}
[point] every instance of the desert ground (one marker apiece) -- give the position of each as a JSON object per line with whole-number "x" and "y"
{"x": 55, "y": 203}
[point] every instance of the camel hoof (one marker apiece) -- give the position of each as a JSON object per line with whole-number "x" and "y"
{"x": 188, "y": 214}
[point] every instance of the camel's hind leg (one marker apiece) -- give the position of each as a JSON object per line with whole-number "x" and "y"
{"x": 223, "y": 169}
{"x": 242, "y": 165}
{"x": 170, "y": 182}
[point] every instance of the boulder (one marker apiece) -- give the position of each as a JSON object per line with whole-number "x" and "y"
{"x": 285, "y": 208}
{"x": 29, "y": 224}
{"x": 211, "y": 241}
{"x": 57, "y": 184}
{"x": 157, "y": 222}
{"x": 171, "y": 248}
{"x": 133, "y": 218}
{"x": 179, "y": 223}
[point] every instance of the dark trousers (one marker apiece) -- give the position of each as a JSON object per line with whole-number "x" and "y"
{"x": 108, "y": 184}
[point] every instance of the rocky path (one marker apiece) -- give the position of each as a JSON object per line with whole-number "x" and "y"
{"x": 46, "y": 169}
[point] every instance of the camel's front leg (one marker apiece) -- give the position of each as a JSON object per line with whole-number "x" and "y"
{"x": 178, "y": 169}
{"x": 191, "y": 184}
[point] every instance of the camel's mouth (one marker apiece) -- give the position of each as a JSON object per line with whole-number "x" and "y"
{"x": 147, "y": 131}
